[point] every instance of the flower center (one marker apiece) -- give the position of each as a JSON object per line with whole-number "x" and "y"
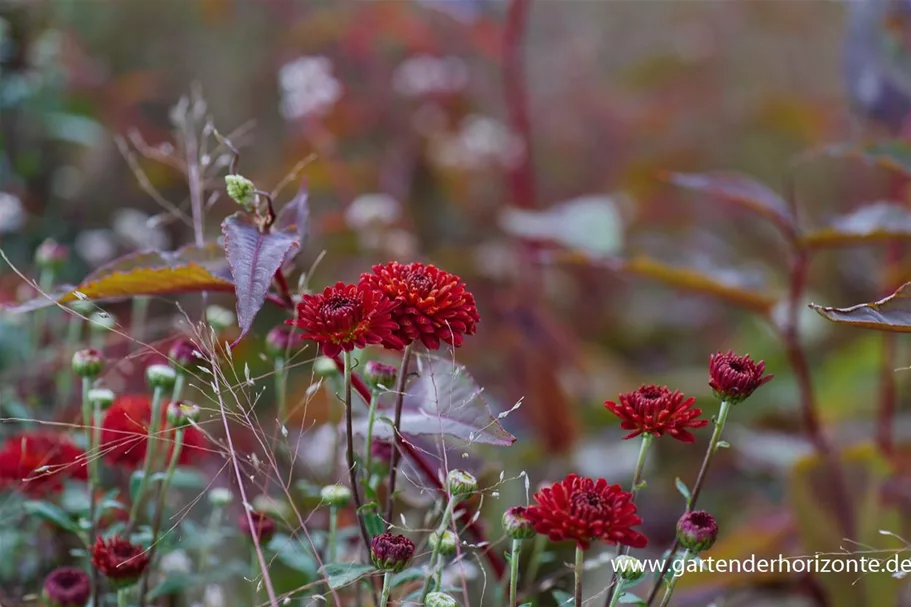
{"x": 701, "y": 520}
{"x": 737, "y": 366}
{"x": 68, "y": 579}
{"x": 419, "y": 282}
{"x": 338, "y": 306}
{"x": 651, "y": 392}
{"x": 587, "y": 503}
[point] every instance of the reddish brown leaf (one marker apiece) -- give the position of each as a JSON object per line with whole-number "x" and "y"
{"x": 880, "y": 221}
{"x": 893, "y": 154}
{"x": 892, "y": 313}
{"x": 295, "y": 216}
{"x": 741, "y": 190}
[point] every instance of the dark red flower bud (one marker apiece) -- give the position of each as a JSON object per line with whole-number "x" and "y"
{"x": 734, "y": 378}
{"x": 50, "y": 254}
{"x": 378, "y": 374}
{"x": 697, "y": 531}
{"x": 120, "y": 561}
{"x": 183, "y": 356}
{"x": 282, "y": 340}
{"x": 391, "y": 552}
{"x": 517, "y": 524}
{"x": 67, "y": 587}
{"x": 263, "y": 526}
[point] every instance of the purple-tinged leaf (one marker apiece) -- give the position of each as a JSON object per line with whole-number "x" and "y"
{"x": 741, "y": 190}
{"x": 880, "y": 221}
{"x": 892, "y": 313}
{"x": 295, "y": 215}
{"x": 444, "y": 401}
{"x": 254, "y": 259}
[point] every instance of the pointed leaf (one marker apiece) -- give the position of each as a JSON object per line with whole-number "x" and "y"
{"x": 295, "y": 215}
{"x": 444, "y": 400}
{"x": 892, "y": 313}
{"x": 684, "y": 491}
{"x": 254, "y": 258}
{"x": 188, "y": 269}
{"x": 880, "y": 221}
{"x": 55, "y": 515}
{"x": 342, "y": 574}
{"x": 741, "y": 190}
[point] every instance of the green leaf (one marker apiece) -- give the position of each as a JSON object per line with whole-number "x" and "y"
{"x": 630, "y": 599}
{"x": 173, "y": 584}
{"x": 52, "y": 514}
{"x": 188, "y": 478}
{"x": 563, "y": 598}
{"x": 409, "y": 575}
{"x": 684, "y": 491}
{"x": 293, "y": 554}
{"x": 723, "y": 444}
{"x": 372, "y": 520}
{"x": 342, "y": 574}
{"x": 135, "y": 482}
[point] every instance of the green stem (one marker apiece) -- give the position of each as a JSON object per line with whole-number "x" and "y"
{"x": 352, "y": 469}
{"x": 211, "y": 534}
{"x": 673, "y": 583}
{"x": 384, "y": 597}
{"x": 179, "y": 383}
{"x": 396, "y": 436}
{"x": 445, "y": 521}
{"x": 73, "y": 333}
{"x": 123, "y": 597}
{"x": 45, "y": 283}
{"x": 618, "y": 592}
{"x": 514, "y": 571}
{"x": 138, "y": 317}
{"x": 371, "y": 419}
{"x": 151, "y": 441}
{"x": 534, "y": 560}
{"x": 577, "y": 573}
{"x": 90, "y": 418}
{"x": 254, "y": 569}
{"x": 333, "y": 526}
{"x": 281, "y": 388}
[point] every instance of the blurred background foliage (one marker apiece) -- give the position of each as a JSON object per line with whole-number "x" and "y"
{"x": 416, "y": 152}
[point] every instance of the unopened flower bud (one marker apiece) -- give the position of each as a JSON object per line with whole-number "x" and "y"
{"x": 440, "y": 599}
{"x": 516, "y": 525}
{"x": 335, "y": 495}
{"x": 325, "y": 367}
{"x": 447, "y": 542}
{"x": 220, "y": 318}
{"x": 101, "y": 397}
{"x": 281, "y": 340}
{"x": 461, "y": 483}
{"x": 183, "y": 356}
{"x": 67, "y": 587}
{"x": 378, "y": 374}
{"x": 734, "y": 378}
{"x": 161, "y": 376}
{"x": 241, "y": 190}
{"x": 391, "y": 552}
{"x": 88, "y": 363}
{"x": 220, "y": 497}
{"x": 182, "y": 414}
{"x": 51, "y": 255}
{"x": 102, "y": 321}
{"x": 629, "y": 567}
{"x": 82, "y": 306}
{"x": 697, "y": 531}
{"x": 263, "y": 526}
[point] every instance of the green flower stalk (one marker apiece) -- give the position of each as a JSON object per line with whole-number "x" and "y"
{"x": 629, "y": 569}
{"x": 384, "y": 596}
{"x": 459, "y": 480}
{"x": 577, "y": 575}
{"x": 335, "y": 496}
{"x": 517, "y": 528}
{"x": 100, "y": 323}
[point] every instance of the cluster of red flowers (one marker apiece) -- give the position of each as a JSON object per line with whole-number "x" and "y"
{"x": 125, "y": 433}
{"x": 395, "y": 305}
{"x": 39, "y": 462}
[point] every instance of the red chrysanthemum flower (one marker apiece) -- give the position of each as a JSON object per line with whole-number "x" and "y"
{"x": 584, "y": 510}
{"x": 433, "y": 305}
{"x": 734, "y": 378}
{"x": 39, "y": 462}
{"x": 67, "y": 587}
{"x": 345, "y": 317}
{"x": 119, "y": 560}
{"x": 125, "y": 432}
{"x": 263, "y": 526}
{"x": 656, "y": 410}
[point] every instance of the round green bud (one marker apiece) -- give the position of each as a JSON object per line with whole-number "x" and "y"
{"x": 335, "y": 495}
{"x": 82, "y": 306}
{"x": 325, "y": 367}
{"x": 161, "y": 376}
{"x": 182, "y": 414}
{"x": 697, "y": 531}
{"x": 220, "y": 497}
{"x": 241, "y": 190}
{"x": 516, "y": 524}
{"x": 102, "y": 321}
{"x": 378, "y": 374}
{"x": 51, "y": 255}
{"x": 220, "y": 318}
{"x": 461, "y": 483}
{"x": 101, "y": 397}
{"x": 274, "y": 507}
{"x": 447, "y": 542}
{"x": 629, "y": 567}
{"x": 440, "y": 599}
{"x": 88, "y": 363}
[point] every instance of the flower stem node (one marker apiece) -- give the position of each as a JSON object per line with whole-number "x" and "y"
{"x": 629, "y": 568}
{"x": 325, "y": 367}
{"x": 102, "y": 397}
{"x": 161, "y": 376}
{"x": 440, "y": 599}
{"x": 51, "y": 255}
{"x": 67, "y": 587}
{"x": 447, "y": 542}
{"x": 378, "y": 374}
{"x": 390, "y": 552}
{"x": 88, "y": 363}
{"x": 517, "y": 525}
{"x": 183, "y": 413}
{"x": 241, "y": 190}
{"x": 338, "y": 496}
{"x": 697, "y": 531}
{"x": 461, "y": 484}
{"x": 220, "y": 497}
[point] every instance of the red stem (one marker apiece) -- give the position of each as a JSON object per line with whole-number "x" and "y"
{"x": 430, "y": 473}
{"x": 521, "y": 176}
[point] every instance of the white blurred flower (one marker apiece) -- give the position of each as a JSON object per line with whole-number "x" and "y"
{"x": 317, "y": 449}
{"x": 308, "y": 87}
{"x": 426, "y": 74}
{"x": 400, "y": 244}
{"x": 177, "y": 561}
{"x": 481, "y": 140}
{"x": 372, "y": 210}
{"x": 12, "y": 213}
{"x": 138, "y": 230}
{"x": 95, "y": 246}
{"x": 458, "y": 571}
{"x": 214, "y": 596}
